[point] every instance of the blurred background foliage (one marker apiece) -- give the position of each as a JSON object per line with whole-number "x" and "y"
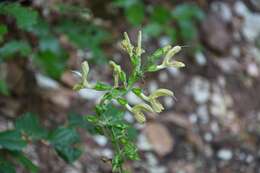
{"x": 47, "y": 35}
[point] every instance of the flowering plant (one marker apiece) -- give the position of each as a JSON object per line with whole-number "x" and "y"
{"x": 111, "y": 123}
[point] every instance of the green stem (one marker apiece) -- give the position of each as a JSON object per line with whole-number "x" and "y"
{"x": 117, "y": 148}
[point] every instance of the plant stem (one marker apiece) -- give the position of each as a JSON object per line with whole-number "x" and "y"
{"x": 116, "y": 146}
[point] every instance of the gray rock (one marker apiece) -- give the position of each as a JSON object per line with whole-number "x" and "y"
{"x": 225, "y": 154}
{"x": 223, "y": 9}
{"x": 216, "y": 34}
{"x": 199, "y": 89}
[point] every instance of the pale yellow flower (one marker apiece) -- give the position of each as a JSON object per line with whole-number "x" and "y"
{"x": 168, "y": 62}
{"x": 153, "y": 99}
{"x": 126, "y": 44}
{"x": 138, "y": 111}
{"x": 84, "y": 77}
{"x": 139, "y": 49}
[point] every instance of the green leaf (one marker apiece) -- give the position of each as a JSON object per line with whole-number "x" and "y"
{"x": 79, "y": 121}
{"x": 113, "y": 114}
{"x": 4, "y": 88}
{"x": 3, "y": 31}
{"x": 27, "y": 163}
{"x": 64, "y": 141}
{"x": 161, "y": 15}
{"x": 30, "y": 126}
{"x": 102, "y": 86}
{"x": 131, "y": 151}
{"x": 25, "y": 17}
{"x": 6, "y": 167}
{"x": 135, "y": 14}
{"x": 137, "y": 91}
{"x": 51, "y": 63}
{"x": 15, "y": 47}
{"x": 12, "y": 140}
{"x": 188, "y": 30}
{"x": 122, "y": 101}
{"x": 64, "y": 136}
{"x": 95, "y": 35}
{"x": 153, "y": 29}
{"x": 69, "y": 154}
{"x": 185, "y": 12}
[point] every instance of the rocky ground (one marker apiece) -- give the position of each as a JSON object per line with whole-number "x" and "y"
{"x": 212, "y": 127}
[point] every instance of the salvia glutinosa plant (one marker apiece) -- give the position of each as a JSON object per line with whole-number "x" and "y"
{"x": 111, "y": 124}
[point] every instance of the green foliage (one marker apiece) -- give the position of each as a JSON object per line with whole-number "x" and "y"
{"x": 15, "y": 47}
{"x": 26, "y": 162}
{"x": 160, "y": 15}
{"x": 4, "y": 88}
{"x": 25, "y": 17}
{"x": 186, "y": 16}
{"x": 29, "y": 125}
{"x": 48, "y": 54}
{"x": 135, "y": 14}
{"x": 51, "y": 63}
{"x": 28, "y": 129}
{"x": 83, "y": 37}
{"x": 3, "y": 31}
{"x": 12, "y": 140}
{"x": 180, "y": 24}
{"x": 6, "y": 166}
{"x": 63, "y": 140}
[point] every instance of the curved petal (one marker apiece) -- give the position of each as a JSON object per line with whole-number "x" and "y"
{"x": 139, "y": 116}
{"x": 157, "y": 106}
{"x": 142, "y": 107}
{"x": 161, "y": 92}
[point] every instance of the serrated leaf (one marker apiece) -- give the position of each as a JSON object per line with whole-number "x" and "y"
{"x": 64, "y": 140}
{"x": 69, "y": 154}
{"x": 78, "y": 121}
{"x": 64, "y": 136}
{"x": 12, "y": 140}
{"x": 30, "y": 126}
{"x": 113, "y": 114}
{"x": 25, "y": 17}
{"x": 15, "y": 47}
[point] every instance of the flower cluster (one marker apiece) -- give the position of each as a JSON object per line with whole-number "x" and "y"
{"x": 152, "y": 103}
